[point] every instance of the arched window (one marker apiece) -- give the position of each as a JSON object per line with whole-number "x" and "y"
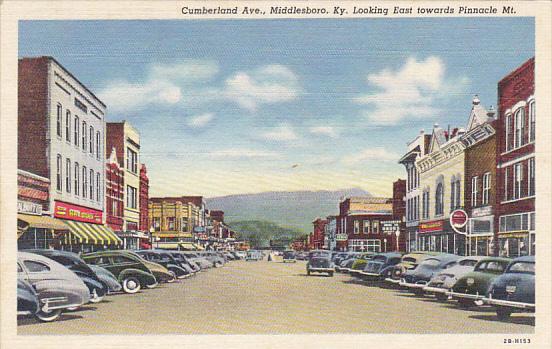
{"x": 453, "y": 193}
{"x": 439, "y": 199}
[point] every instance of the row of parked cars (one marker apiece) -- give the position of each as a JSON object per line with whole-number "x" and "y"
{"x": 51, "y": 281}
{"x": 504, "y": 283}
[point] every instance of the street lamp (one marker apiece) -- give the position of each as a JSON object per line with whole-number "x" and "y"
{"x": 397, "y": 234}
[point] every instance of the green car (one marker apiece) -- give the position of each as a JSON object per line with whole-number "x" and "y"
{"x": 130, "y": 271}
{"x": 472, "y": 287}
{"x": 360, "y": 263}
{"x": 161, "y": 273}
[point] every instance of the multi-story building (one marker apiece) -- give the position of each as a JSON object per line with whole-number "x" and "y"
{"x": 126, "y": 140}
{"x": 360, "y": 218}
{"x": 480, "y": 176}
{"x": 114, "y": 192}
{"x": 61, "y": 132}
{"x": 394, "y": 230}
{"x": 144, "y": 199}
{"x": 516, "y": 128}
{"x": 330, "y": 233}
{"x": 318, "y": 233}
{"x": 416, "y": 149}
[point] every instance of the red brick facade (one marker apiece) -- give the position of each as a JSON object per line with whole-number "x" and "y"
{"x": 317, "y": 240}
{"x": 144, "y": 199}
{"x": 114, "y": 189}
{"x": 32, "y": 188}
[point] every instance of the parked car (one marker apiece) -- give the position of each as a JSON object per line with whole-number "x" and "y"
{"x": 240, "y": 254}
{"x": 185, "y": 262}
{"x": 443, "y": 281}
{"x": 471, "y": 288}
{"x": 107, "y": 278}
{"x": 201, "y": 261}
{"x": 27, "y": 298}
{"x": 289, "y": 256}
{"x": 131, "y": 271}
{"x": 161, "y": 273}
{"x": 346, "y": 262}
{"x": 514, "y": 291}
{"x": 339, "y": 256}
{"x": 358, "y": 265}
{"x": 73, "y": 262}
{"x": 416, "y": 279}
{"x": 253, "y": 255}
{"x": 302, "y": 256}
{"x": 236, "y": 254}
{"x": 408, "y": 261}
{"x": 165, "y": 259}
{"x": 380, "y": 266}
{"x": 320, "y": 261}
{"x": 212, "y": 257}
{"x": 57, "y": 287}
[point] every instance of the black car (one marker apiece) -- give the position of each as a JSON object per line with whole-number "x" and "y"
{"x": 289, "y": 256}
{"x": 27, "y": 298}
{"x": 73, "y": 262}
{"x": 185, "y": 262}
{"x": 380, "y": 266}
{"x": 165, "y": 259}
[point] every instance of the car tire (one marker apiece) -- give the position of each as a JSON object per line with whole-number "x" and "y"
{"x": 95, "y": 298}
{"x": 503, "y": 313}
{"x": 49, "y": 316}
{"x": 173, "y": 277}
{"x": 131, "y": 285}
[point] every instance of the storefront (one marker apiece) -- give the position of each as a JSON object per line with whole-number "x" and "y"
{"x": 481, "y": 232}
{"x": 366, "y": 245}
{"x": 412, "y": 238}
{"x": 516, "y": 235}
{"x": 134, "y": 240}
{"x": 438, "y": 236}
{"x": 39, "y": 232}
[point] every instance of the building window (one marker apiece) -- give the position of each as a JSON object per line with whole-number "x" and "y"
{"x": 518, "y": 178}
{"x": 425, "y": 204}
{"x": 58, "y": 173}
{"x": 453, "y": 193}
{"x": 506, "y": 180}
{"x": 508, "y": 129}
{"x": 84, "y": 182}
{"x": 132, "y": 161}
{"x": 76, "y": 176}
{"x": 91, "y": 140}
{"x": 474, "y": 191}
{"x": 98, "y": 186}
{"x": 68, "y": 175}
{"x": 58, "y": 120}
{"x": 486, "y": 188}
{"x": 439, "y": 192}
{"x": 531, "y": 177}
{"x": 68, "y": 126}
{"x": 91, "y": 187}
{"x": 84, "y": 135}
{"x": 356, "y": 227}
{"x": 375, "y": 227}
{"x": 458, "y": 193}
{"x": 131, "y": 197}
{"x": 517, "y": 222}
{"x": 98, "y": 145}
{"x": 366, "y": 227}
{"x": 156, "y": 223}
{"x": 519, "y": 123}
{"x": 532, "y": 121}
{"x": 170, "y": 223}
{"x": 76, "y": 129}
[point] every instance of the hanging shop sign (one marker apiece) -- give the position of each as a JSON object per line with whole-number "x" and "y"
{"x": 29, "y": 208}
{"x": 64, "y": 210}
{"x": 458, "y": 220}
{"x": 390, "y": 227}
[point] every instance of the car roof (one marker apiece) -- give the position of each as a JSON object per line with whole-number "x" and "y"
{"x": 495, "y": 259}
{"x": 389, "y": 254}
{"x": 47, "y": 252}
{"x": 530, "y": 259}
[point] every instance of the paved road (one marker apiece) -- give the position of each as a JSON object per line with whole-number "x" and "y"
{"x": 269, "y": 298}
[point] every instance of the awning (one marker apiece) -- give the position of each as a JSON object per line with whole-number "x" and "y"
{"x": 93, "y": 233}
{"x": 187, "y": 246}
{"x": 42, "y": 222}
{"x": 110, "y": 238}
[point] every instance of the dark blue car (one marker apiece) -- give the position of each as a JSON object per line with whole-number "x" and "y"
{"x": 380, "y": 266}
{"x": 514, "y": 291}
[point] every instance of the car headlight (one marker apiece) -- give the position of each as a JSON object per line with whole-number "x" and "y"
{"x": 470, "y": 281}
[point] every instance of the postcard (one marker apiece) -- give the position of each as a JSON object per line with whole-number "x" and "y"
{"x": 275, "y": 174}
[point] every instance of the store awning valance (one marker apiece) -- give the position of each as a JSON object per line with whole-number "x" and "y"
{"x": 189, "y": 246}
{"x": 41, "y": 222}
{"x": 93, "y": 233}
{"x": 109, "y": 236}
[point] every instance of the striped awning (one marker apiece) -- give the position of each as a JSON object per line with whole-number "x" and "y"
{"x": 93, "y": 233}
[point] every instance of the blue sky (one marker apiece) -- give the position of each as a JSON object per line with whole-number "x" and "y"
{"x": 243, "y": 106}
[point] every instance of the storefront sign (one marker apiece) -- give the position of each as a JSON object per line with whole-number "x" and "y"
{"x": 29, "y": 208}
{"x": 389, "y": 227}
{"x": 482, "y": 211}
{"x": 513, "y": 235}
{"x": 341, "y": 237}
{"x": 458, "y": 218}
{"x": 430, "y": 227}
{"x": 77, "y": 213}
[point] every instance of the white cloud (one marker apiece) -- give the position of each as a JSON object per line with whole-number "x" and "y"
{"x": 371, "y": 154}
{"x": 324, "y": 131}
{"x": 201, "y": 120}
{"x": 187, "y": 71}
{"x": 242, "y": 153}
{"x": 265, "y": 85}
{"x": 409, "y": 92}
{"x": 281, "y": 133}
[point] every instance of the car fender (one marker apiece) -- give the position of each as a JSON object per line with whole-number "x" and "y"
{"x": 177, "y": 269}
{"x": 92, "y": 284}
{"x": 145, "y": 277}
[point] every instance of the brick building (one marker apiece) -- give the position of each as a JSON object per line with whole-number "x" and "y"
{"x": 318, "y": 231}
{"x": 114, "y": 192}
{"x": 516, "y": 128}
{"x": 144, "y": 199}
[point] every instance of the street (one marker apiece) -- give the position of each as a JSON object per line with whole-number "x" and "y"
{"x": 270, "y": 298}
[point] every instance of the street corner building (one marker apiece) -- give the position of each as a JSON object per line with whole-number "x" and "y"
{"x": 61, "y": 162}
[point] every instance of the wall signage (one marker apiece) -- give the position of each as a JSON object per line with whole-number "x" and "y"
{"x": 432, "y": 226}
{"x": 29, "y": 208}
{"x": 64, "y": 210}
{"x": 341, "y": 237}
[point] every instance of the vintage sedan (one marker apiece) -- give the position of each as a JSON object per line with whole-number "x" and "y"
{"x": 73, "y": 262}
{"x": 471, "y": 288}
{"x": 443, "y": 281}
{"x": 514, "y": 291}
{"x": 57, "y": 287}
{"x": 131, "y": 271}
{"x": 408, "y": 261}
{"x": 345, "y": 262}
{"x": 165, "y": 259}
{"x": 289, "y": 256}
{"x": 212, "y": 257}
{"x": 185, "y": 262}
{"x": 253, "y": 255}
{"x": 416, "y": 279}
{"x": 161, "y": 273}
{"x": 107, "y": 278}
{"x": 358, "y": 265}
{"x": 27, "y": 298}
{"x": 202, "y": 262}
{"x": 380, "y": 266}
{"x": 320, "y": 261}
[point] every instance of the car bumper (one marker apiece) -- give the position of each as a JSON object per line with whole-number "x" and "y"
{"x": 370, "y": 275}
{"x": 321, "y": 270}
{"x": 393, "y": 281}
{"x": 431, "y": 289}
{"x": 420, "y": 285}
{"x": 509, "y": 304}
{"x": 471, "y": 296}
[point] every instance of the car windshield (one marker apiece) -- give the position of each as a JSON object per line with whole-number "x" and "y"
{"x": 495, "y": 267}
{"x": 468, "y": 262}
{"x": 319, "y": 254}
{"x": 522, "y": 267}
{"x": 432, "y": 262}
{"x": 379, "y": 258}
{"x": 409, "y": 259}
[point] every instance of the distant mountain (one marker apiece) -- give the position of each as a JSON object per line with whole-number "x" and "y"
{"x": 290, "y": 209}
{"x": 259, "y": 233}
